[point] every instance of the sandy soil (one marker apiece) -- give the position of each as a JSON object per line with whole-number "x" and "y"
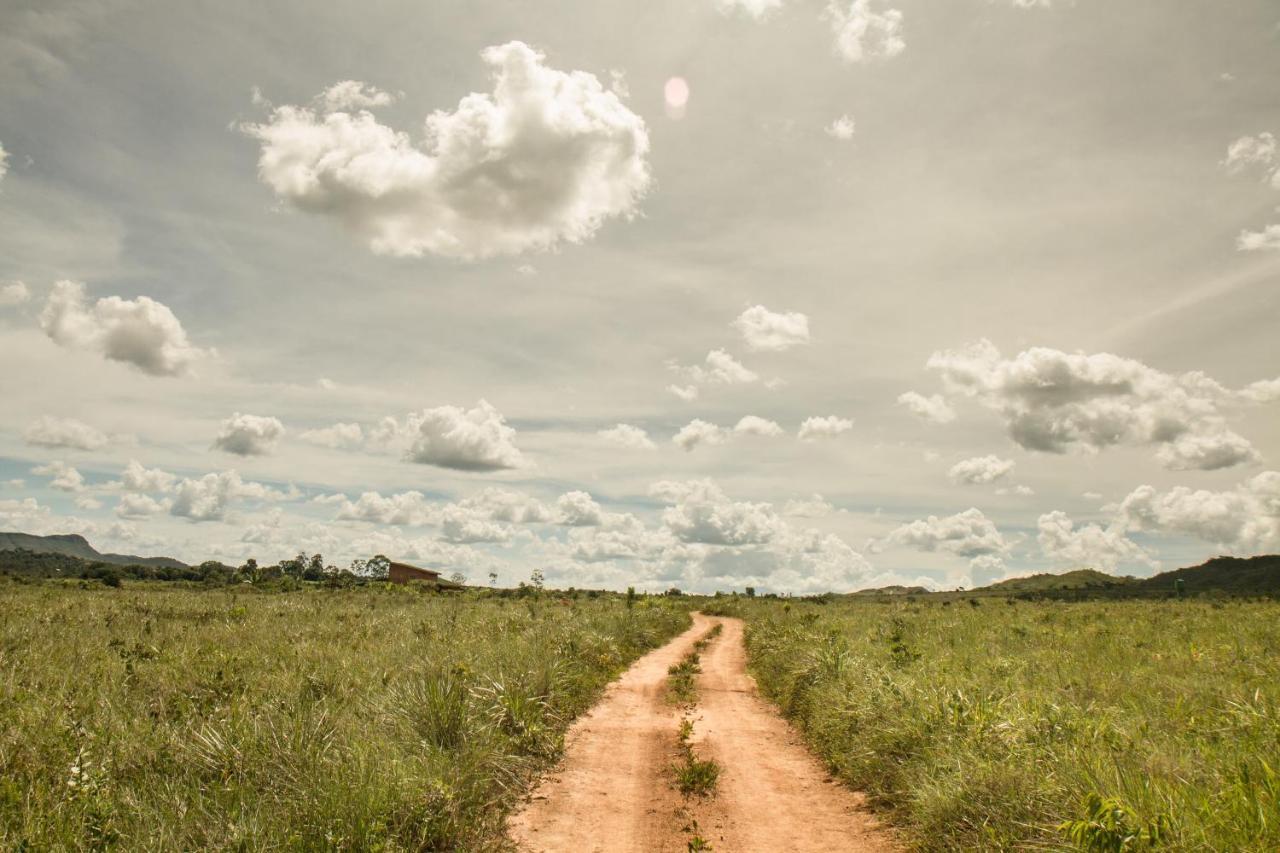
{"x": 614, "y": 790}
{"x": 612, "y": 793}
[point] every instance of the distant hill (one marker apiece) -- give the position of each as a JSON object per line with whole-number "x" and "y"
{"x": 895, "y": 589}
{"x": 75, "y": 545}
{"x": 1075, "y": 580}
{"x": 1222, "y": 575}
{"x": 1234, "y": 575}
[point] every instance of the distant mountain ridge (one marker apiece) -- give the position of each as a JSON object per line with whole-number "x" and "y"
{"x": 1230, "y": 575}
{"x": 1077, "y": 579}
{"x": 75, "y": 545}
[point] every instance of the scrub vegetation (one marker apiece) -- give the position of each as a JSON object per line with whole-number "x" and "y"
{"x": 1003, "y": 724}
{"x": 156, "y": 717}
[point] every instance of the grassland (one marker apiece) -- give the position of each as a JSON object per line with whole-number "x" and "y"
{"x": 991, "y": 725}
{"x": 161, "y": 718}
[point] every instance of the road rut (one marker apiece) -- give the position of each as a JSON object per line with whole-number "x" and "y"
{"x": 613, "y": 792}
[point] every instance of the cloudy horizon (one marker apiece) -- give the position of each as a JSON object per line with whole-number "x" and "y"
{"x": 921, "y": 293}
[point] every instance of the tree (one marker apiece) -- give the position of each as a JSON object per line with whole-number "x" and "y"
{"x": 377, "y": 567}
{"x": 458, "y": 577}
{"x": 493, "y": 578}
{"x": 537, "y": 579}
{"x": 315, "y": 568}
{"x": 751, "y": 592}
{"x": 631, "y": 597}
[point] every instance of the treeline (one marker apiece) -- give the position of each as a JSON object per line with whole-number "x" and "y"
{"x": 25, "y": 564}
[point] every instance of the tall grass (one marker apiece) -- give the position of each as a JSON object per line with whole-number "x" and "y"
{"x": 1101, "y": 726}
{"x": 373, "y": 719}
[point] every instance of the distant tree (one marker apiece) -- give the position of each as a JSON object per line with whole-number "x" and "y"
{"x": 493, "y": 578}
{"x": 631, "y": 597}
{"x": 458, "y": 578}
{"x": 314, "y": 570}
{"x": 378, "y": 567}
{"x": 358, "y": 567}
{"x": 537, "y": 579}
{"x": 751, "y": 592}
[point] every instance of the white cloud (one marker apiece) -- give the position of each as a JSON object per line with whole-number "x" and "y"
{"x": 816, "y": 428}
{"x": 508, "y": 506}
{"x": 466, "y": 525}
{"x": 697, "y": 432}
{"x": 411, "y": 509}
{"x": 1256, "y": 152}
{"x": 1266, "y": 240}
{"x": 340, "y": 436}
{"x": 578, "y": 509}
{"x": 249, "y": 435}
{"x": 14, "y": 293}
{"x": 864, "y": 32}
{"x": 62, "y": 476}
{"x": 1057, "y": 402}
{"x": 842, "y": 128}
{"x": 753, "y": 425}
{"x": 721, "y": 369}
{"x": 209, "y": 498}
{"x": 546, "y": 157}
{"x": 965, "y": 534}
{"x": 466, "y": 440}
{"x": 353, "y": 95}
{"x": 1251, "y": 151}
{"x": 757, "y": 9}
{"x": 141, "y": 331}
{"x": 136, "y": 478}
{"x": 625, "y": 435}
{"x": 1021, "y": 491}
{"x": 138, "y": 506}
{"x": 688, "y": 393}
{"x": 50, "y": 431}
{"x": 816, "y": 506}
{"x": 1088, "y": 546}
{"x": 702, "y": 513}
{"x": 980, "y": 470}
{"x": 771, "y": 331}
{"x": 1192, "y": 452}
{"x": 1244, "y": 519}
{"x": 26, "y": 514}
{"x": 933, "y": 408}
{"x": 4, "y": 162}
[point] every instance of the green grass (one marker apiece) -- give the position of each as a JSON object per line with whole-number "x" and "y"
{"x": 1097, "y": 725}
{"x": 682, "y": 677}
{"x": 695, "y": 777}
{"x": 159, "y": 718}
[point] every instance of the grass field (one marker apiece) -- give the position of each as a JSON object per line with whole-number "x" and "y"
{"x": 1101, "y": 726}
{"x": 161, "y": 718}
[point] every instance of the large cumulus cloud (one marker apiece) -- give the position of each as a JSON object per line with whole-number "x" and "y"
{"x": 544, "y": 158}
{"x": 476, "y": 439}
{"x": 1055, "y": 402}
{"x": 1245, "y": 519}
{"x": 249, "y": 435}
{"x": 140, "y": 332}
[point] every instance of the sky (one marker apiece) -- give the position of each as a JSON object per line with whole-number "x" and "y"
{"x": 790, "y": 294}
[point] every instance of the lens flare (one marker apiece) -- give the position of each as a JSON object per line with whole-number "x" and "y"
{"x": 676, "y": 94}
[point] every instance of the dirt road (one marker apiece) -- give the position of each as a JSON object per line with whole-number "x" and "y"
{"x": 614, "y": 789}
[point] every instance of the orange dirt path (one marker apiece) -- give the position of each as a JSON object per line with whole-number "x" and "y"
{"x": 613, "y": 792}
